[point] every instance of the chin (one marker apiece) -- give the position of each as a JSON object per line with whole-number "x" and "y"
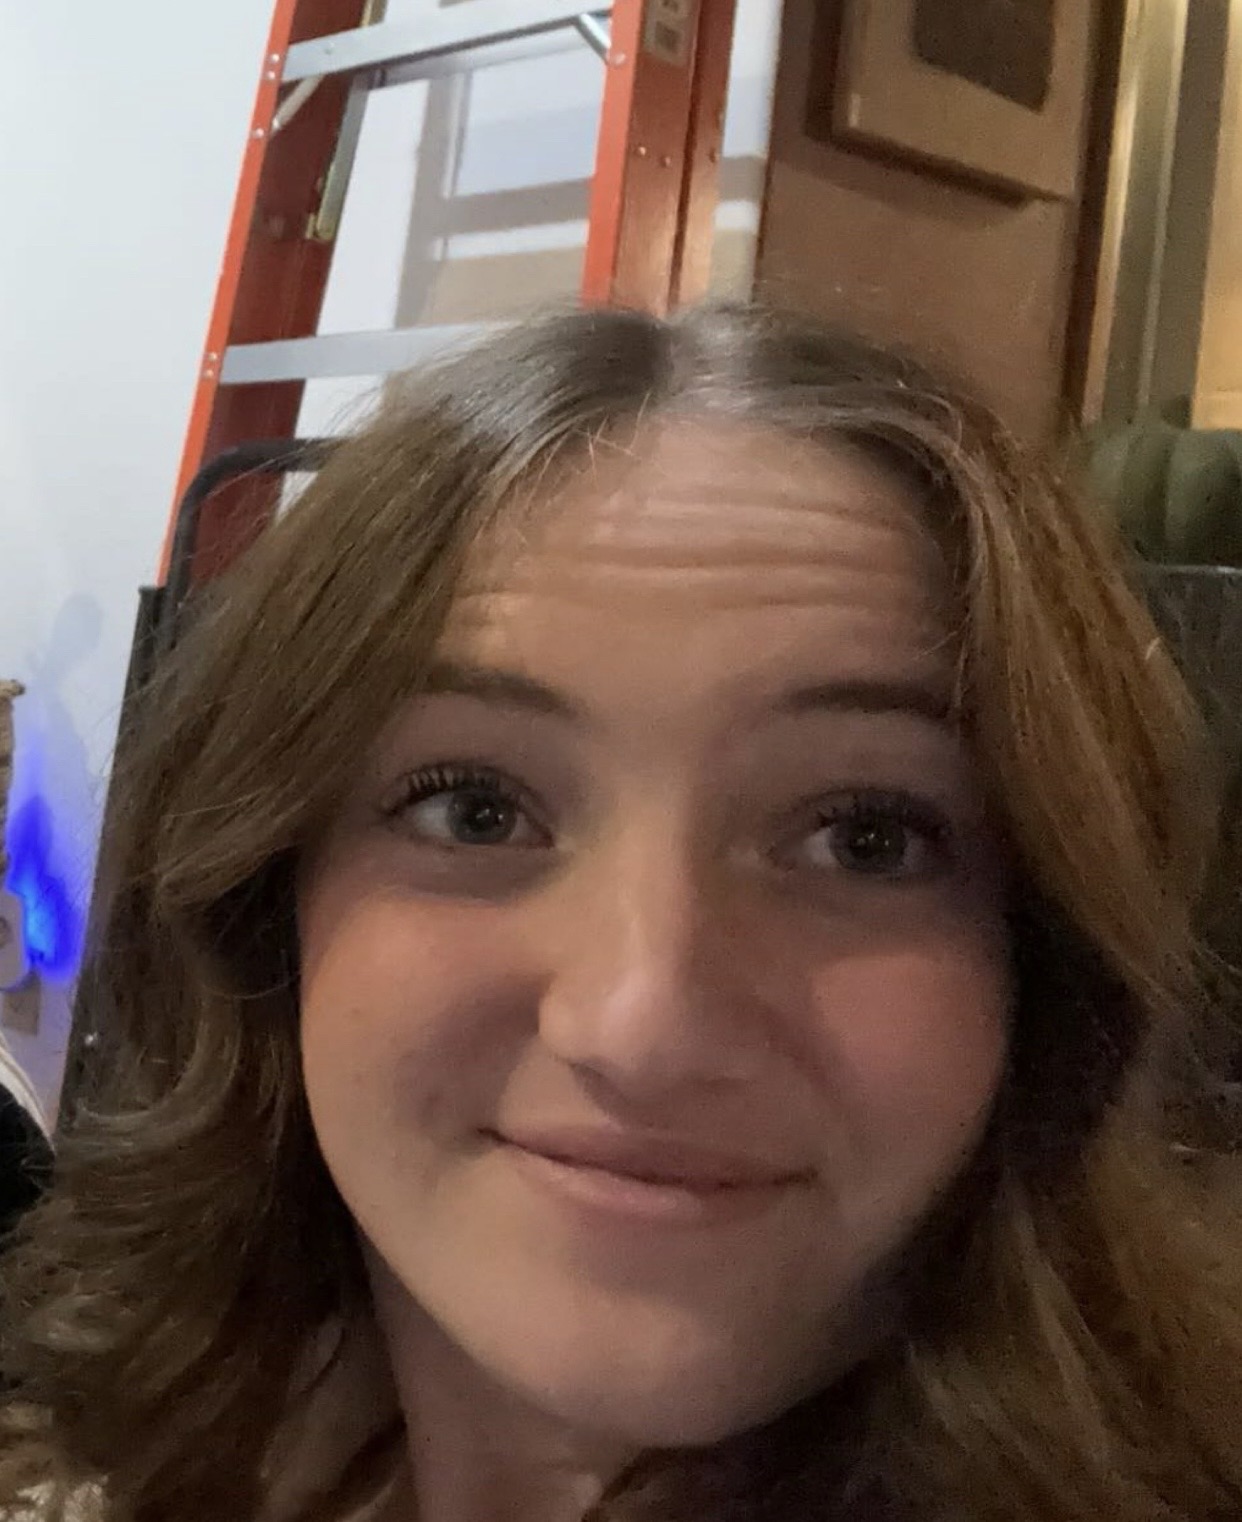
{"x": 675, "y": 1416}
{"x": 621, "y": 1358}
{"x": 659, "y": 1386}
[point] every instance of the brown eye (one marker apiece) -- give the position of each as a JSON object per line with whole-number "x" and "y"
{"x": 475, "y": 817}
{"x": 876, "y": 844}
{"x": 896, "y": 839}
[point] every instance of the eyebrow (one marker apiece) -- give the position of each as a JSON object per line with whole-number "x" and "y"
{"x": 507, "y": 689}
{"x": 862, "y": 695}
{"x": 510, "y": 689}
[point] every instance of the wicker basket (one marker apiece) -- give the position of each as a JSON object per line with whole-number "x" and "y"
{"x": 8, "y": 691}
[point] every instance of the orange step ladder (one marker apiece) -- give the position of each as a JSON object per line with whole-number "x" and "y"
{"x": 652, "y": 206}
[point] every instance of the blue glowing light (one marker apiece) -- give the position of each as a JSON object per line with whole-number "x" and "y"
{"x": 53, "y": 925}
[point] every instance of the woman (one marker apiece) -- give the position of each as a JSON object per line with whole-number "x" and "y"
{"x": 648, "y": 929}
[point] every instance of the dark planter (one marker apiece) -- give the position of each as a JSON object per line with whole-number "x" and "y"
{"x": 1199, "y": 610}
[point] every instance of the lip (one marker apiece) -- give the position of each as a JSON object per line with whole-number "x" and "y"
{"x": 649, "y": 1178}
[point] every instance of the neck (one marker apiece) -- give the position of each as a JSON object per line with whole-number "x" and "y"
{"x": 476, "y": 1450}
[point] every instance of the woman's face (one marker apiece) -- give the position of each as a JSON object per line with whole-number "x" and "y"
{"x": 654, "y": 975}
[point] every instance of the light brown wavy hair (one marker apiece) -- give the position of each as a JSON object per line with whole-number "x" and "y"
{"x": 1073, "y": 1347}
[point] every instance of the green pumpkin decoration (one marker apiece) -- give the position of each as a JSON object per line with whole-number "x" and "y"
{"x": 1203, "y": 501}
{"x": 1128, "y": 469}
{"x": 1177, "y": 492}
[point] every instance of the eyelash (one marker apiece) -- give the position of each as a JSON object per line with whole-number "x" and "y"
{"x": 452, "y": 777}
{"x": 907, "y": 810}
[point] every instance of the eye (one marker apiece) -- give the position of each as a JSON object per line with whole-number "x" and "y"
{"x": 893, "y": 837}
{"x": 461, "y": 807}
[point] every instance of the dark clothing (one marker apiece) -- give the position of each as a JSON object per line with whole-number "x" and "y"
{"x": 25, "y": 1162}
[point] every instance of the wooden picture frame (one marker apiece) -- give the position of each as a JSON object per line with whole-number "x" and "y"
{"x": 889, "y": 97}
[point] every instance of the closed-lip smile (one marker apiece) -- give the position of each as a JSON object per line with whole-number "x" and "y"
{"x": 651, "y": 1158}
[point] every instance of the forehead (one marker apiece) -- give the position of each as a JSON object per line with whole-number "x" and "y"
{"x": 736, "y": 543}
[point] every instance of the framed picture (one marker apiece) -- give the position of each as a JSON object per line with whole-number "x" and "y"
{"x": 990, "y": 90}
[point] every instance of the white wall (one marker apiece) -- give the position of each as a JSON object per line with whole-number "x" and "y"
{"x": 121, "y": 128}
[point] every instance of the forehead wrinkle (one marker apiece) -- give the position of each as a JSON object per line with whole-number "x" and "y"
{"x": 699, "y": 542}
{"x": 873, "y": 592}
{"x": 742, "y": 482}
{"x": 702, "y": 517}
{"x": 646, "y": 512}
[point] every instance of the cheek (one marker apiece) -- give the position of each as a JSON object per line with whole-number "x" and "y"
{"x": 913, "y": 1043}
{"x": 402, "y": 1015}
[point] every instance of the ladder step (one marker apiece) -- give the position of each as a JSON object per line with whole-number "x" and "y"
{"x": 487, "y": 54}
{"x": 340, "y": 355}
{"x": 440, "y": 34}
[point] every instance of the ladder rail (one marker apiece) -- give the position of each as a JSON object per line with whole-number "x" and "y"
{"x": 265, "y": 253}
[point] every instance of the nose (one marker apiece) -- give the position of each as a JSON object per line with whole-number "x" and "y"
{"x": 648, "y": 985}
